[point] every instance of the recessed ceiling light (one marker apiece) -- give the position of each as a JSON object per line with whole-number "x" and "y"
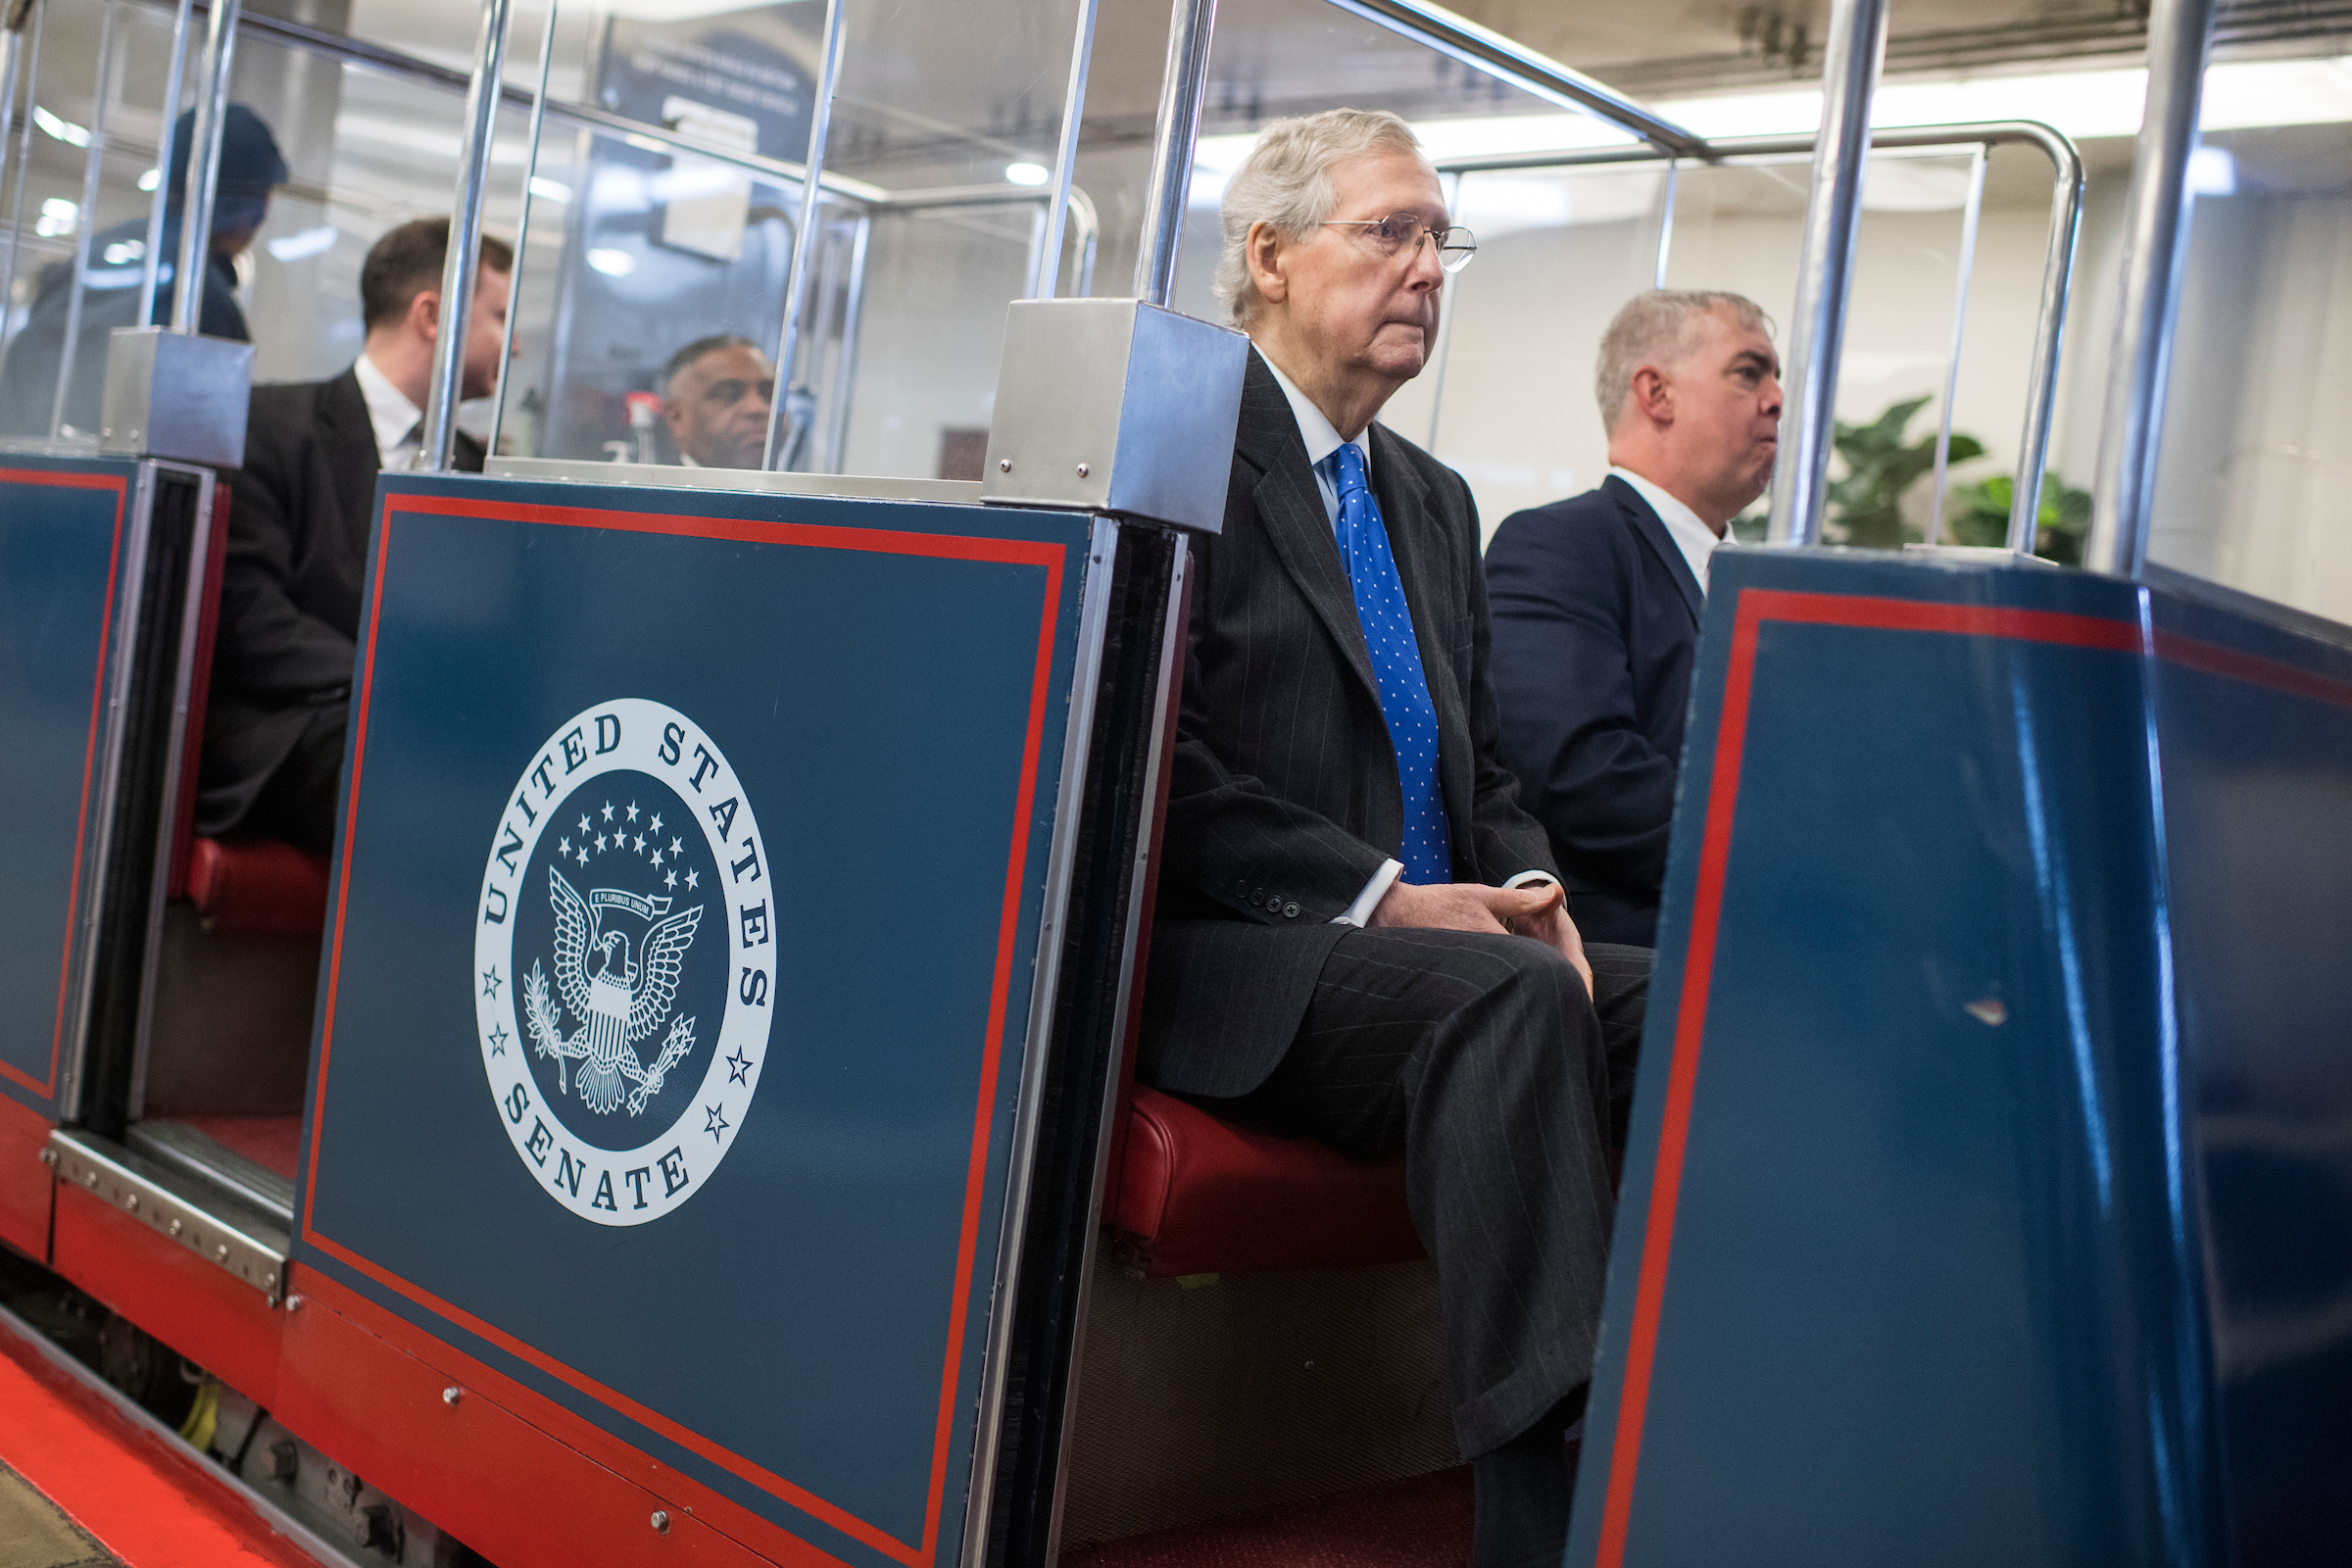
{"x": 612, "y": 263}
{"x": 1027, "y": 174}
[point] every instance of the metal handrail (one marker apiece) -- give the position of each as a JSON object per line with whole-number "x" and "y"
{"x": 2057, "y": 273}
{"x": 463, "y": 257}
{"x": 1460, "y": 39}
{"x": 2155, "y": 255}
{"x": 1824, "y": 269}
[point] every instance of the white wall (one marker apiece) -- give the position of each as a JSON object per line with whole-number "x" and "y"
{"x": 2254, "y": 485}
{"x": 1516, "y": 411}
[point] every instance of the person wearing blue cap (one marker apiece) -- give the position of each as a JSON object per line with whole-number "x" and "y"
{"x": 250, "y": 166}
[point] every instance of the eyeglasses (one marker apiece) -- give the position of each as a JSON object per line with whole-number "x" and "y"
{"x": 1397, "y": 230}
{"x": 726, "y": 394}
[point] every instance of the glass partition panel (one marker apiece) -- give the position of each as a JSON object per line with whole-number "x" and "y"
{"x": 370, "y": 149}
{"x": 1562, "y": 250}
{"x": 947, "y": 125}
{"x": 2254, "y": 482}
{"x": 1274, "y": 59}
{"x": 662, "y": 209}
{"x": 78, "y": 210}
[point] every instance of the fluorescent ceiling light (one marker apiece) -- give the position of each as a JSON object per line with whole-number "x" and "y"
{"x": 2239, "y": 95}
{"x": 612, "y": 263}
{"x": 2211, "y": 171}
{"x": 1027, "y": 174}
{"x": 150, "y": 179}
{"x": 310, "y": 242}
{"x": 550, "y": 190}
{"x": 684, "y": 10}
{"x": 58, "y": 216}
{"x": 123, "y": 250}
{"x": 64, "y": 130}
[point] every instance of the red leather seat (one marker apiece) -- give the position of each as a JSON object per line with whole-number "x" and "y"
{"x": 1195, "y": 1193}
{"x": 258, "y": 888}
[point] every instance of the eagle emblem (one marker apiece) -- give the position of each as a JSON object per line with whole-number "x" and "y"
{"x": 619, "y": 999}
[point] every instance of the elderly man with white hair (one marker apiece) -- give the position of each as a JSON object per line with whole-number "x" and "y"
{"x": 1360, "y": 936}
{"x": 1597, "y": 599}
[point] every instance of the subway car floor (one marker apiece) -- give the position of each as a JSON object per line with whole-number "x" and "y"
{"x": 83, "y": 1481}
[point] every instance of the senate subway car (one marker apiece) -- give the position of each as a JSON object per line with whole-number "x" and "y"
{"x": 992, "y": 782}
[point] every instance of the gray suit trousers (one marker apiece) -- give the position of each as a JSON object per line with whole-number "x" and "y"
{"x": 1482, "y": 1058}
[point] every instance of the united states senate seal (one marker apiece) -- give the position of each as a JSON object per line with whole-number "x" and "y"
{"x": 624, "y": 961}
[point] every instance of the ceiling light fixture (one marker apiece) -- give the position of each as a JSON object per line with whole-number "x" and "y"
{"x": 1027, "y": 174}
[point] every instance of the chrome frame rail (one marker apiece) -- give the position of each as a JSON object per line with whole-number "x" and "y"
{"x": 1085, "y": 679}
{"x": 463, "y": 261}
{"x": 2156, "y": 225}
{"x": 1824, "y": 269}
{"x": 2058, "y": 257}
{"x": 204, "y": 168}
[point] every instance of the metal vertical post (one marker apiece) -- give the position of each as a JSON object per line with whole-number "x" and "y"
{"x": 152, "y": 259}
{"x": 1443, "y": 354}
{"x": 1825, "y": 271}
{"x": 1673, "y": 169}
{"x": 204, "y": 169}
{"x": 1951, "y": 364}
{"x": 461, "y": 265}
{"x": 2041, "y": 391}
{"x": 805, "y": 233}
{"x": 14, "y": 14}
{"x": 1183, "y": 89}
{"x": 1043, "y": 282}
{"x": 2155, "y": 255}
{"x": 523, "y": 225}
{"x": 16, "y": 220}
{"x": 93, "y": 163}
{"x": 844, "y": 376}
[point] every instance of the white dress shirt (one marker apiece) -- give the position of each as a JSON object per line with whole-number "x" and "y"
{"x": 398, "y": 422}
{"x": 1696, "y": 541}
{"x": 1322, "y": 439}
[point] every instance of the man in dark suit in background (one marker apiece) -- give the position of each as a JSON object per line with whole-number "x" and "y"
{"x": 1359, "y": 934}
{"x": 298, "y": 527}
{"x": 113, "y": 292}
{"x": 1597, "y": 599}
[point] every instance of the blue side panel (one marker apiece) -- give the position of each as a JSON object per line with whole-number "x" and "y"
{"x": 63, "y": 529}
{"x": 1897, "y": 1274}
{"x": 2255, "y": 728}
{"x": 707, "y": 1120}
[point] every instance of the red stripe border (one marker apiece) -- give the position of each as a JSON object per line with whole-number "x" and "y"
{"x": 1005, "y": 552}
{"x": 120, "y": 486}
{"x": 1755, "y": 607}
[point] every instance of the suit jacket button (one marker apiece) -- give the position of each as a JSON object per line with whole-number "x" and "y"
{"x": 1290, "y": 911}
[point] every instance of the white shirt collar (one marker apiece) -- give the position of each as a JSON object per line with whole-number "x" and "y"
{"x": 1696, "y": 541}
{"x": 394, "y": 417}
{"x": 1316, "y": 430}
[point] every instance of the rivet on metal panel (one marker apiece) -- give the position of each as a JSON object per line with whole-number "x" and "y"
{"x": 662, "y": 1521}
{"x": 1082, "y": 471}
{"x": 178, "y": 1225}
{"x": 294, "y": 1303}
{"x": 1003, "y": 465}
{"x": 130, "y": 1200}
{"x": 49, "y": 1157}
{"x": 89, "y": 1179}
{"x": 221, "y": 1251}
{"x": 452, "y": 1395}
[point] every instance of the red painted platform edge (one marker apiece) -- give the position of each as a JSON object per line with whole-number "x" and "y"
{"x": 366, "y": 1385}
{"x": 150, "y": 1500}
{"x": 201, "y": 1311}
{"x": 27, "y": 1188}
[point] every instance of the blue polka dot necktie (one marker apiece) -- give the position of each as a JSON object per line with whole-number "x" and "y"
{"x": 1388, "y": 622}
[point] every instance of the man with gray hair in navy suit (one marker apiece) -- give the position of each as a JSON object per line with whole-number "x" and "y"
{"x": 1597, "y": 599}
{"x": 1359, "y": 934}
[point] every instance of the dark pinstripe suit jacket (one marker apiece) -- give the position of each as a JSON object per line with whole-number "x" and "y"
{"x": 1285, "y": 800}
